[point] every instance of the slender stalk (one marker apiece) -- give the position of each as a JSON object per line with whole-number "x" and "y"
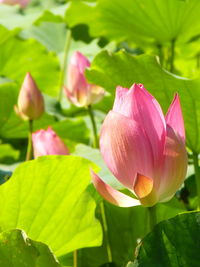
{"x": 75, "y": 258}
{"x": 105, "y": 229}
{"x": 172, "y": 55}
{"x": 198, "y": 61}
{"x": 160, "y": 53}
{"x": 29, "y": 153}
{"x": 94, "y": 127}
{"x": 152, "y": 217}
{"x": 197, "y": 175}
{"x": 64, "y": 66}
{"x": 102, "y": 208}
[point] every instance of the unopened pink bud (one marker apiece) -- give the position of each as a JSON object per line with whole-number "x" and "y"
{"x": 143, "y": 149}
{"x": 22, "y": 3}
{"x": 78, "y": 90}
{"x": 47, "y": 142}
{"x": 30, "y": 100}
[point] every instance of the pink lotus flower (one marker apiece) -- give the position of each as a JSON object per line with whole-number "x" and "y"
{"x": 22, "y": 3}
{"x": 48, "y": 143}
{"x": 30, "y": 100}
{"x": 78, "y": 90}
{"x": 142, "y": 148}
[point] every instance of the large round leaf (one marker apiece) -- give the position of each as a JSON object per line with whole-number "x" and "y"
{"x": 175, "y": 242}
{"x": 17, "y": 250}
{"x": 8, "y": 97}
{"x": 157, "y": 21}
{"x": 20, "y": 56}
{"x": 47, "y": 198}
{"x": 110, "y": 70}
{"x": 45, "y": 12}
{"x": 126, "y": 226}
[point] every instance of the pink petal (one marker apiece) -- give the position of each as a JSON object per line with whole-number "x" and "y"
{"x": 75, "y": 79}
{"x": 96, "y": 93}
{"x": 22, "y": 3}
{"x": 112, "y": 195}
{"x": 125, "y": 148}
{"x": 174, "y": 117}
{"x": 148, "y": 114}
{"x": 78, "y": 97}
{"x": 119, "y": 99}
{"x": 124, "y": 102}
{"x": 47, "y": 142}
{"x": 136, "y": 103}
{"x": 77, "y": 85}
{"x": 80, "y": 61}
{"x": 145, "y": 191}
{"x": 30, "y": 99}
{"x": 143, "y": 186}
{"x": 70, "y": 96}
{"x": 175, "y": 165}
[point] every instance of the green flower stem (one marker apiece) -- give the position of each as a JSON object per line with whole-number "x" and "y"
{"x": 62, "y": 82}
{"x": 75, "y": 258}
{"x": 105, "y": 230}
{"x": 29, "y": 153}
{"x": 94, "y": 127}
{"x": 198, "y": 60}
{"x": 172, "y": 55}
{"x": 160, "y": 53}
{"x": 197, "y": 175}
{"x": 64, "y": 66}
{"x": 152, "y": 217}
{"x": 91, "y": 114}
{"x": 102, "y": 208}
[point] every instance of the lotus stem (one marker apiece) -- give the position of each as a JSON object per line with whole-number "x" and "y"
{"x": 102, "y": 208}
{"x": 75, "y": 258}
{"x": 29, "y": 153}
{"x": 94, "y": 127}
{"x": 160, "y": 53}
{"x": 197, "y": 175}
{"x": 198, "y": 60}
{"x": 105, "y": 229}
{"x": 172, "y": 55}
{"x": 64, "y": 66}
{"x": 152, "y": 217}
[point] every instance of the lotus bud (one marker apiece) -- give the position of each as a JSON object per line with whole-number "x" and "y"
{"x": 47, "y": 142}
{"x": 22, "y": 3}
{"x": 78, "y": 90}
{"x": 30, "y": 100}
{"x": 143, "y": 149}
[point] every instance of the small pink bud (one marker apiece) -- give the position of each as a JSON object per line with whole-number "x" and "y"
{"x": 47, "y": 142}
{"x": 142, "y": 148}
{"x": 22, "y": 3}
{"x": 30, "y": 100}
{"x": 78, "y": 90}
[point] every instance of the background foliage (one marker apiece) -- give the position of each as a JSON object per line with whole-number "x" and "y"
{"x": 48, "y": 206}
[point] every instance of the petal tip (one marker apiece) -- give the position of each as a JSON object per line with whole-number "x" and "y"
{"x": 112, "y": 195}
{"x": 174, "y": 117}
{"x": 143, "y": 185}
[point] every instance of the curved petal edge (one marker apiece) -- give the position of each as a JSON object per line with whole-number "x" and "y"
{"x": 174, "y": 117}
{"x": 112, "y": 195}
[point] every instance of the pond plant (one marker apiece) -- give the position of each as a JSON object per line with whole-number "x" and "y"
{"x": 99, "y": 133}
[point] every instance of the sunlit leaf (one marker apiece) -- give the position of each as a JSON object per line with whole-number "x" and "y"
{"x": 138, "y": 21}
{"x": 17, "y": 250}
{"x": 8, "y": 154}
{"x": 126, "y": 227}
{"x": 110, "y": 70}
{"x": 29, "y": 56}
{"x": 47, "y": 198}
